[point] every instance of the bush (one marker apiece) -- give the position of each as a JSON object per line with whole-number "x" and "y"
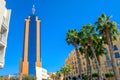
{"x": 84, "y": 76}
{"x": 109, "y": 74}
{"x": 95, "y": 74}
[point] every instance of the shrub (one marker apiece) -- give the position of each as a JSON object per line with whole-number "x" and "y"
{"x": 109, "y": 74}
{"x": 95, "y": 74}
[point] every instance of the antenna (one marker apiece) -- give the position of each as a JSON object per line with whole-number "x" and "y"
{"x": 33, "y": 9}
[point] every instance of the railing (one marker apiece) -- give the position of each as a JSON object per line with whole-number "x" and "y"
{"x": 1, "y": 64}
{"x": 2, "y": 38}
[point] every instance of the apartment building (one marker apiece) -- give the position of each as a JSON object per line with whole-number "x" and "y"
{"x": 4, "y": 28}
{"x": 105, "y": 62}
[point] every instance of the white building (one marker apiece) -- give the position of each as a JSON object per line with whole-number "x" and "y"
{"x": 4, "y": 27}
{"x": 41, "y": 73}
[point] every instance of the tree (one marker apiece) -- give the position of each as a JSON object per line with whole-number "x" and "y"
{"x": 72, "y": 38}
{"x": 84, "y": 50}
{"x": 108, "y": 31}
{"x": 89, "y": 35}
{"x": 58, "y": 74}
{"x": 29, "y": 77}
{"x": 66, "y": 69}
{"x": 53, "y": 76}
{"x": 0, "y": 77}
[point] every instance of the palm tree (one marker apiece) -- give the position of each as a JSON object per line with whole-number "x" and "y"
{"x": 58, "y": 74}
{"x": 99, "y": 48}
{"x": 89, "y": 35}
{"x": 72, "y": 38}
{"x": 53, "y": 76}
{"x": 66, "y": 69}
{"x": 109, "y": 32}
{"x": 83, "y": 49}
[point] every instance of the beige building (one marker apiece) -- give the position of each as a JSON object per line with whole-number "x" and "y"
{"x": 72, "y": 61}
{"x": 106, "y": 65}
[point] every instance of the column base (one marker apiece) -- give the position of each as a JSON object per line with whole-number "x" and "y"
{"x": 24, "y": 69}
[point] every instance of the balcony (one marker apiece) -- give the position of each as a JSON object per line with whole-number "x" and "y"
{"x": 2, "y": 39}
{"x": 5, "y": 23}
{"x": 1, "y": 65}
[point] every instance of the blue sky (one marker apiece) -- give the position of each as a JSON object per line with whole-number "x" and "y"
{"x": 57, "y": 16}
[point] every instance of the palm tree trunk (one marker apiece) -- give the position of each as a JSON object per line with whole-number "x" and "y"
{"x": 98, "y": 67}
{"x": 64, "y": 76}
{"x": 110, "y": 45}
{"x": 98, "y": 58}
{"x": 94, "y": 54}
{"x": 88, "y": 66}
{"x": 87, "y": 62}
{"x": 78, "y": 59}
{"x": 90, "y": 72}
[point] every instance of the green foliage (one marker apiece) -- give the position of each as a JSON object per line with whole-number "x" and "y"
{"x": 0, "y": 78}
{"x": 72, "y": 36}
{"x": 104, "y": 22}
{"x": 95, "y": 74}
{"x": 91, "y": 38}
{"x": 85, "y": 77}
{"x": 53, "y": 76}
{"x": 109, "y": 74}
{"x": 66, "y": 69}
{"x": 59, "y": 73}
{"x": 109, "y": 32}
{"x": 29, "y": 77}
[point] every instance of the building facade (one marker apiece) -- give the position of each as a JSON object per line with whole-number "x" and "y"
{"x": 72, "y": 61}
{"x": 105, "y": 62}
{"x": 4, "y": 28}
{"x": 31, "y": 60}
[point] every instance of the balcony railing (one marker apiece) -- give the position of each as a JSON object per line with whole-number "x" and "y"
{"x": 1, "y": 64}
{"x": 2, "y": 38}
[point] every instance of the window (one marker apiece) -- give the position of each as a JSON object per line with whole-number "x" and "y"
{"x": 75, "y": 62}
{"x": 117, "y": 55}
{"x": 118, "y": 62}
{"x": 115, "y": 47}
{"x": 106, "y": 50}
{"x": 107, "y": 58}
{"x": 109, "y": 64}
{"x": 72, "y": 62}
